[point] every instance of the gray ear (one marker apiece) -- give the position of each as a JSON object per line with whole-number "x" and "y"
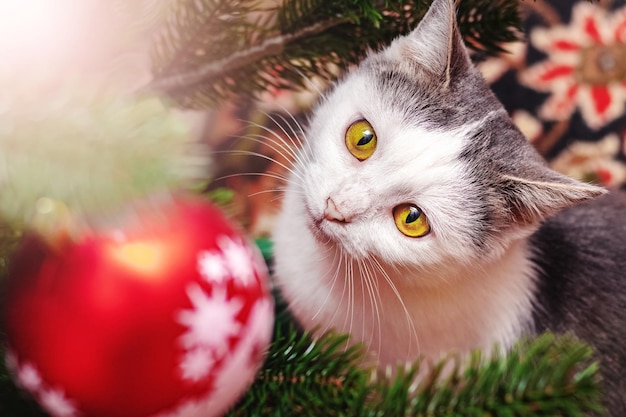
{"x": 542, "y": 193}
{"x": 436, "y": 43}
{"x": 518, "y": 185}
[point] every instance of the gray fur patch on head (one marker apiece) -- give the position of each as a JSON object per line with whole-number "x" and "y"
{"x": 423, "y": 100}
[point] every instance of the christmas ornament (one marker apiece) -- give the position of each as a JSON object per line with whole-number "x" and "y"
{"x": 168, "y": 316}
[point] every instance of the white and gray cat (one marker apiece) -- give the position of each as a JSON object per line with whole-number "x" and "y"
{"x": 418, "y": 219}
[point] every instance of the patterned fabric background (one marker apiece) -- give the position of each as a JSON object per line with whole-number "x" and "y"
{"x": 564, "y": 86}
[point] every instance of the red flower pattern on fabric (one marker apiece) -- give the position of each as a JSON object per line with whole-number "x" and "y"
{"x": 585, "y": 68}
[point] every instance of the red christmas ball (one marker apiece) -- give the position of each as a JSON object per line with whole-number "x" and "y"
{"x": 167, "y": 316}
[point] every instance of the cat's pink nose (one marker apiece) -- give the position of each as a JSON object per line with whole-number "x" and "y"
{"x": 332, "y": 213}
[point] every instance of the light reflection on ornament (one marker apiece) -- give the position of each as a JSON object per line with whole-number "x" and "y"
{"x": 143, "y": 256}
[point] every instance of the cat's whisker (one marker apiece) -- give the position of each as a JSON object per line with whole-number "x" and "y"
{"x": 345, "y": 289}
{"x": 342, "y": 270}
{"x": 270, "y": 191}
{"x": 303, "y": 141}
{"x": 397, "y": 294}
{"x": 283, "y": 178}
{"x": 279, "y": 191}
{"x": 270, "y": 138}
{"x": 375, "y": 299}
{"x": 298, "y": 298}
{"x": 296, "y": 141}
{"x": 274, "y": 141}
{"x": 260, "y": 155}
{"x": 254, "y": 174}
{"x": 333, "y": 280}
{"x": 368, "y": 282}
{"x": 362, "y": 281}
{"x": 278, "y": 194}
{"x": 306, "y": 78}
{"x": 279, "y": 147}
{"x": 351, "y": 291}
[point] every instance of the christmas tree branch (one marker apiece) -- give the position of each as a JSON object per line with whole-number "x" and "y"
{"x": 240, "y": 59}
{"x": 303, "y": 376}
{"x": 199, "y": 60}
{"x": 546, "y": 376}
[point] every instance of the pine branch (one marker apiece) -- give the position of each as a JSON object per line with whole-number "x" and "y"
{"x": 200, "y": 59}
{"x": 478, "y": 19}
{"x": 547, "y": 376}
{"x": 240, "y": 59}
{"x": 302, "y": 377}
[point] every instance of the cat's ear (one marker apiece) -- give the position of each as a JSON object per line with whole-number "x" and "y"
{"x": 541, "y": 193}
{"x": 436, "y": 44}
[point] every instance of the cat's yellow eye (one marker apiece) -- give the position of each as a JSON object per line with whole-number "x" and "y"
{"x": 361, "y": 139}
{"x": 411, "y": 220}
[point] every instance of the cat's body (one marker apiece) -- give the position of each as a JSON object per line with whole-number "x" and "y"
{"x": 581, "y": 256}
{"x": 418, "y": 218}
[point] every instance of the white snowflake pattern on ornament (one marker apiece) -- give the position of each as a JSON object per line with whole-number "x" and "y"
{"x": 212, "y": 267}
{"x": 52, "y": 400}
{"x": 212, "y": 321}
{"x": 29, "y": 378}
{"x": 234, "y": 259}
{"x": 210, "y": 325}
{"x": 197, "y": 364}
{"x": 55, "y": 402}
{"x": 242, "y": 363}
{"x": 260, "y": 328}
{"x": 245, "y": 360}
{"x": 239, "y": 260}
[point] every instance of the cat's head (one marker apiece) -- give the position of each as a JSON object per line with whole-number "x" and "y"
{"x": 411, "y": 158}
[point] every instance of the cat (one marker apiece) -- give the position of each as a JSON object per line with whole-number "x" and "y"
{"x": 418, "y": 219}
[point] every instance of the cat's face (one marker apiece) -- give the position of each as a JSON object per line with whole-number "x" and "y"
{"x": 411, "y": 159}
{"x": 403, "y": 194}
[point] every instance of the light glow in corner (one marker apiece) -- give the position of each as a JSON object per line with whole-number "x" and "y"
{"x": 36, "y": 31}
